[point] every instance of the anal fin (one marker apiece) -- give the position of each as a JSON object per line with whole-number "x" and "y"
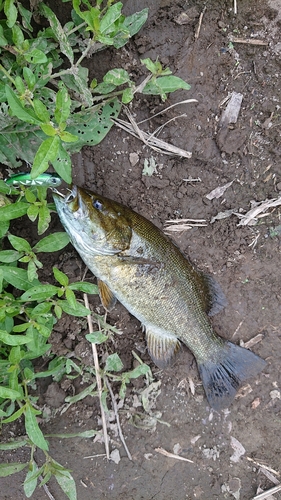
{"x": 162, "y": 346}
{"x": 108, "y": 300}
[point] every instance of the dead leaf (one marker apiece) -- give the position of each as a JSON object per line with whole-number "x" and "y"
{"x": 218, "y": 192}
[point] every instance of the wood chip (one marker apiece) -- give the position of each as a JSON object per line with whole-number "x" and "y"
{"x": 232, "y": 110}
{"x": 253, "y": 341}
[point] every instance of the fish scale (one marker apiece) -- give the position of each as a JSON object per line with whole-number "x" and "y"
{"x": 137, "y": 263}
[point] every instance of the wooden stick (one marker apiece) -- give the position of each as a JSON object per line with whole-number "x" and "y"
{"x": 172, "y": 455}
{"x": 117, "y": 418}
{"x": 199, "y": 24}
{"x": 98, "y": 377}
{"x": 250, "y": 41}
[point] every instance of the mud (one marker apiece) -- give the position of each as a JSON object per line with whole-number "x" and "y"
{"x": 227, "y": 449}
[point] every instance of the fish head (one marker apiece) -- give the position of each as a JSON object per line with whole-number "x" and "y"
{"x": 95, "y": 224}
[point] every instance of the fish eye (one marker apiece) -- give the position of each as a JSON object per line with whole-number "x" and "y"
{"x": 97, "y": 204}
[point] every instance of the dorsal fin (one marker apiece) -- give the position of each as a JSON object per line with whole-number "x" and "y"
{"x": 215, "y": 299}
{"x": 108, "y": 300}
{"x": 162, "y": 346}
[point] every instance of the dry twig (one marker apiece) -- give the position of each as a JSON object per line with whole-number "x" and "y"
{"x": 149, "y": 139}
{"x": 250, "y": 41}
{"x": 98, "y": 377}
{"x": 268, "y": 493}
{"x": 178, "y": 225}
{"x": 197, "y": 33}
{"x": 172, "y": 455}
{"x": 264, "y": 466}
{"x": 117, "y": 418}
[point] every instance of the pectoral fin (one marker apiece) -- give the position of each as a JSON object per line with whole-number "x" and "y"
{"x": 162, "y": 347}
{"x": 108, "y": 300}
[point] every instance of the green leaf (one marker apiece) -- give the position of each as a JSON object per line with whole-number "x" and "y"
{"x": 70, "y": 297}
{"x": 63, "y": 165}
{"x": 40, "y": 292}
{"x": 19, "y": 84}
{"x": 8, "y": 469}
{"x": 66, "y": 482}
{"x": 46, "y": 153}
{"x": 60, "y": 277}
{"x": 166, "y": 84}
{"x": 89, "y": 391}
{"x": 113, "y": 363}
{"x": 111, "y": 16}
{"x": 4, "y": 228}
{"x": 19, "y": 244}
{"x": 128, "y": 95}
{"x": 32, "y": 212}
{"x": 58, "y": 31}
{"x": 14, "y": 444}
{"x": 140, "y": 370}
{"x": 96, "y": 337}
{"x": 26, "y": 16}
{"x": 10, "y": 12}
{"x": 25, "y": 114}
{"x": 51, "y": 243}
{"x": 14, "y": 340}
{"x": 63, "y": 104}
{"x": 7, "y": 393}
{"x": 16, "y": 414}
{"x": 9, "y": 256}
{"x": 49, "y": 129}
{"x": 30, "y": 481}
{"x": 33, "y": 431}
{"x": 3, "y": 40}
{"x": 44, "y": 219}
{"x": 13, "y": 211}
{"x": 17, "y": 277}
{"x": 67, "y": 137}
{"x": 35, "y": 56}
{"x": 134, "y": 22}
{"x": 104, "y": 88}
{"x": 41, "y": 111}
{"x": 116, "y": 77}
{"x": 84, "y": 286}
{"x": 32, "y": 270}
{"x": 79, "y": 309}
{"x": 17, "y": 35}
{"x": 29, "y": 77}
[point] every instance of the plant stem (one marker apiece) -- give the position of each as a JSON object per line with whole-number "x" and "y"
{"x": 7, "y": 74}
{"x": 98, "y": 377}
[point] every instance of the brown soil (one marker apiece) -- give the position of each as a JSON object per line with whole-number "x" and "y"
{"x": 244, "y": 259}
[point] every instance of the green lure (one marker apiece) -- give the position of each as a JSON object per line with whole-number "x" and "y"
{"x": 24, "y": 179}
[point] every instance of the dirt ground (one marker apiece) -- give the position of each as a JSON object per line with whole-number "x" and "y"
{"x": 233, "y": 452}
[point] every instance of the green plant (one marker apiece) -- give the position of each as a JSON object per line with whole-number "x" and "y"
{"x": 49, "y": 109}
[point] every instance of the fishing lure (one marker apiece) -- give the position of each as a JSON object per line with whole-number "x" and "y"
{"x": 24, "y": 179}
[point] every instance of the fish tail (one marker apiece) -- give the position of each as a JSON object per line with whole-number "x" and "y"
{"x": 223, "y": 377}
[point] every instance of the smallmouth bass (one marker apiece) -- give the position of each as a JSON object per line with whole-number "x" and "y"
{"x": 138, "y": 265}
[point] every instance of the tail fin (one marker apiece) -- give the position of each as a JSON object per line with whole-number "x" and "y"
{"x": 222, "y": 378}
